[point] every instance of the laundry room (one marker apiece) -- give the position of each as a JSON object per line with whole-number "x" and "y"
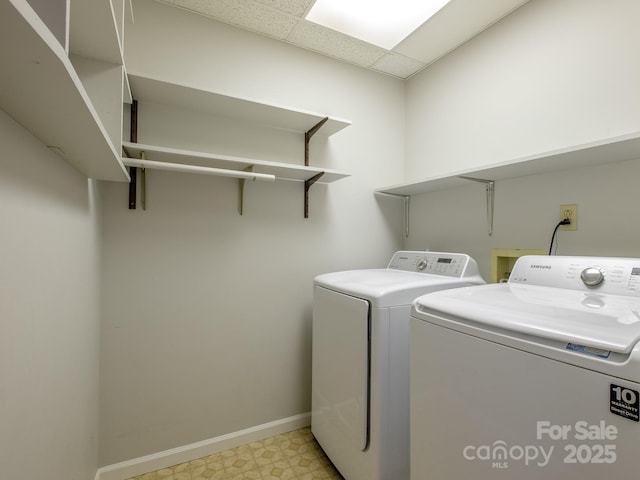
{"x": 129, "y": 336}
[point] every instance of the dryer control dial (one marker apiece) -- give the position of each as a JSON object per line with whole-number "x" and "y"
{"x": 592, "y": 276}
{"x": 422, "y": 264}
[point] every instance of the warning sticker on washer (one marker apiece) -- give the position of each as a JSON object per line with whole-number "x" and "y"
{"x": 624, "y": 402}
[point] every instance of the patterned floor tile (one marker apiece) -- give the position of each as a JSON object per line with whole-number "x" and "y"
{"x": 289, "y": 456}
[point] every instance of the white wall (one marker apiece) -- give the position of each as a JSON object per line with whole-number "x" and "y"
{"x": 526, "y": 211}
{"x": 553, "y": 74}
{"x": 54, "y": 13}
{"x": 206, "y": 313}
{"x": 49, "y": 313}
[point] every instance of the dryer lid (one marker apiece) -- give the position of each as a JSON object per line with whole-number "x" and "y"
{"x": 408, "y": 275}
{"x": 386, "y": 287}
{"x": 584, "y": 318}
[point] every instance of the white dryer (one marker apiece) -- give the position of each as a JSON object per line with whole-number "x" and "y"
{"x": 360, "y": 367}
{"x": 538, "y": 378}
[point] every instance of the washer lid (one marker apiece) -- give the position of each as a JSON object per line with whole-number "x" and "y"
{"x": 607, "y": 322}
{"x": 386, "y": 287}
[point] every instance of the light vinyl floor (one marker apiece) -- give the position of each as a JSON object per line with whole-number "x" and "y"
{"x": 290, "y": 456}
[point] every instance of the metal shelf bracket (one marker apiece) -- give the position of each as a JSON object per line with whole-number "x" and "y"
{"x": 315, "y": 178}
{"x": 307, "y": 138}
{"x": 307, "y": 186}
{"x": 407, "y": 203}
{"x": 133, "y": 171}
{"x": 490, "y": 188}
{"x": 241, "y": 183}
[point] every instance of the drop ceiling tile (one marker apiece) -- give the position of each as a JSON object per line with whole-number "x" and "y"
{"x": 258, "y": 18}
{"x": 335, "y": 44}
{"x": 398, "y": 65}
{"x": 203, "y": 7}
{"x": 292, "y": 7}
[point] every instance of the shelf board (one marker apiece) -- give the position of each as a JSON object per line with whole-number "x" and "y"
{"x": 615, "y": 149}
{"x": 40, "y": 89}
{"x": 93, "y": 32}
{"x": 282, "y": 171}
{"x": 150, "y": 89}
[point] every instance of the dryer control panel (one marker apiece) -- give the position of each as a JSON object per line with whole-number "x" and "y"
{"x": 456, "y": 265}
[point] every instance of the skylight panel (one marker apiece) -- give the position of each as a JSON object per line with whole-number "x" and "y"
{"x": 384, "y": 23}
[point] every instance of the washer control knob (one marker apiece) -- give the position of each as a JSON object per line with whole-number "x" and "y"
{"x": 592, "y": 276}
{"x": 422, "y": 264}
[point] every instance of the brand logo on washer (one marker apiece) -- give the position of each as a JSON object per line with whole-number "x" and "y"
{"x": 538, "y": 266}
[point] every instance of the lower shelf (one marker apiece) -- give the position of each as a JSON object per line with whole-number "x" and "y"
{"x": 164, "y": 158}
{"x": 282, "y": 171}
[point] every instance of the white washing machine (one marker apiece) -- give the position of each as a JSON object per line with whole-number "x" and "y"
{"x": 537, "y": 378}
{"x": 360, "y": 368}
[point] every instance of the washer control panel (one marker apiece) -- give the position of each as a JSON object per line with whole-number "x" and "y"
{"x": 455, "y": 265}
{"x": 612, "y": 275}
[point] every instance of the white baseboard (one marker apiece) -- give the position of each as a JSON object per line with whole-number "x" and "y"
{"x": 157, "y": 461}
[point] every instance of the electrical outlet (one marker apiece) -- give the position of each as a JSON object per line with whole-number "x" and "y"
{"x": 570, "y": 212}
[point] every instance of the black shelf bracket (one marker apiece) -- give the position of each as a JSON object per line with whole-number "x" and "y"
{"x": 307, "y": 184}
{"x": 307, "y": 138}
{"x": 133, "y": 171}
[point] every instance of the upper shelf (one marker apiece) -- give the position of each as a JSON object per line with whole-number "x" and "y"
{"x": 148, "y": 88}
{"x": 282, "y": 171}
{"x": 615, "y": 149}
{"x": 40, "y": 89}
{"x": 93, "y": 32}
